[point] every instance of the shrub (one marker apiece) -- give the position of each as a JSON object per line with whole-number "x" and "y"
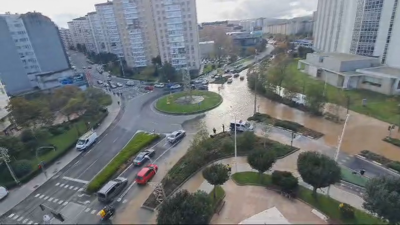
{"x": 393, "y": 141}
{"x": 346, "y": 211}
{"x": 394, "y": 165}
{"x": 138, "y": 142}
{"x": 289, "y": 125}
{"x": 26, "y": 136}
{"x": 21, "y": 167}
{"x": 259, "y": 117}
{"x": 285, "y": 180}
{"x": 375, "y": 157}
{"x": 56, "y": 130}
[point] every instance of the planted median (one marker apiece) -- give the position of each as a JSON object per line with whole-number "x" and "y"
{"x": 137, "y": 143}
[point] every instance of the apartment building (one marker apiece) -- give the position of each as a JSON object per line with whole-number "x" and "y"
{"x": 297, "y": 25}
{"x": 30, "y": 45}
{"x": 177, "y": 32}
{"x": 108, "y": 20}
{"x": 97, "y": 32}
{"x": 66, "y": 38}
{"x": 364, "y": 27}
{"x": 82, "y": 34}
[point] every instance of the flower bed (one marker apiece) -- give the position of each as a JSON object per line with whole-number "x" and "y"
{"x": 207, "y": 150}
{"x": 290, "y": 125}
{"x": 393, "y": 141}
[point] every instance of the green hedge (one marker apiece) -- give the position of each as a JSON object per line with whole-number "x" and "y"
{"x": 289, "y": 125}
{"x": 393, "y": 141}
{"x": 395, "y": 165}
{"x": 137, "y": 143}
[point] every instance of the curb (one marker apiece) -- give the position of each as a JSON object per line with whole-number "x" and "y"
{"x": 186, "y": 114}
{"x": 378, "y": 164}
{"x": 290, "y": 131}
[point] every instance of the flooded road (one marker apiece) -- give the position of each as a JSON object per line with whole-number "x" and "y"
{"x": 362, "y": 132}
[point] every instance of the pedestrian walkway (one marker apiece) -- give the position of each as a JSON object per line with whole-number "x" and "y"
{"x": 20, "y": 193}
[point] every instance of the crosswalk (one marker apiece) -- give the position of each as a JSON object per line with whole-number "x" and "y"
{"x": 70, "y": 187}
{"x": 51, "y": 199}
{"x": 21, "y": 220}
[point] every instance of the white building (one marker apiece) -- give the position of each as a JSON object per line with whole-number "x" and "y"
{"x": 66, "y": 37}
{"x": 97, "y": 32}
{"x": 298, "y": 25}
{"x": 365, "y": 27}
{"x": 82, "y": 34}
{"x": 108, "y": 20}
{"x": 4, "y": 100}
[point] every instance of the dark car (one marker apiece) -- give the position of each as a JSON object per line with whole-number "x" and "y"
{"x": 142, "y": 157}
{"x": 176, "y": 136}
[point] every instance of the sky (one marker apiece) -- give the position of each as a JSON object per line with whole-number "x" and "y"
{"x": 62, "y": 11}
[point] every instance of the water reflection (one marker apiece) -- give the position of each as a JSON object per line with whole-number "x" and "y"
{"x": 362, "y": 132}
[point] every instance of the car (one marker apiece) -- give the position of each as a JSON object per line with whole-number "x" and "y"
{"x": 146, "y": 173}
{"x": 83, "y": 67}
{"x": 176, "y": 86}
{"x": 100, "y": 82}
{"x": 113, "y": 86}
{"x": 142, "y": 157}
{"x": 149, "y": 88}
{"x": 109, "y": 79}
{"x": 112, "y": 189}
{"x": 120, "y": 85}
{"x": 89, "y": 67}
{"x": 3, "y": 193}
{"x": 106, "y": 85}
{"x": 205, "y": 82}
{"x": 130, "y": 83}
{"x": 176, "y": 136}
{"x": 160, "y": 85}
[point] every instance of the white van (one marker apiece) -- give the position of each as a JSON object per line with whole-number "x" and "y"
{"x": 241, "y": 126}
{"x": 86, "y": 140}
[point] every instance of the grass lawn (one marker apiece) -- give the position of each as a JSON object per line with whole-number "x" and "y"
{"x": 207, "y": 68}
{"x": 379, "y": 106}
{"x": 211, "y": 100}
{"x": 323, "y": 203}
{"x": 357, "y": 179}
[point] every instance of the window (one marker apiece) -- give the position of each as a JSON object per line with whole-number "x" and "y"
{"x": 372, "y": 81}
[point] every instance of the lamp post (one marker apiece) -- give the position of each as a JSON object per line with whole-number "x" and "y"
{"x": 235, "y": 143}
{"x": 340, "y": 144}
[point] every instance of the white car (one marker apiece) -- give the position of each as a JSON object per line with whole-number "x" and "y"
{"x": 100, "y": 82}
{"x": 176, "y": 86}
{"x": 86, "y": 140}
{"x": 3, "y": 193}
{"x": 176, "y": 136}
{"x": 160, "y": 85}
{"x": 120, "y": 85}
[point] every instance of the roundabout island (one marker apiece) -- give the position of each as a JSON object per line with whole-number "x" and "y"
{"x": 183, "y": 103}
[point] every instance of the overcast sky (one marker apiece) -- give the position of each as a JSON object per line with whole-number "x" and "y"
{"x": 62, "y": 11}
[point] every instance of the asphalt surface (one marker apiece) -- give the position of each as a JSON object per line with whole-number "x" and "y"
{"x": 371, "y": 169}
{"x": 66, "y": 189}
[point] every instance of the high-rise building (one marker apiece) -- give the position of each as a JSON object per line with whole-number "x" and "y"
{"x": 97, "y": 32}
{"x": 105, "y": 12}
{"x": 362, "y": 27}
{"x": 82, "y": 34}
{"x": 66, "y": 38}
{"x": 30, "y": 45}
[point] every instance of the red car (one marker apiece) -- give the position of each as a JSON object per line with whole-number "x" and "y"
{"x": 146, "y": 173}
{"x": 149, "y": 88}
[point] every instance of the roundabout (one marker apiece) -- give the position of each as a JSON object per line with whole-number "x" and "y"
{"x": 183, "y": 104}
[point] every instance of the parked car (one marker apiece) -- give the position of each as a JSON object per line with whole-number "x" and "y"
{"x": 100, "y": 82}
{"x": 112, "y": 189}
{"x": 142, "y": 157}
{"x": 146, "y": 173}
{"x": 230, "y": 81}
{"x": 113, "y": 86}
{"x": 176, "y": 136}
{"x": 160, "y": 85}
{"x": 106, "y": 85}
{"x": 3, "y": 193}
{"x": 120, "y": 85}
{"x": 130, "y": 83}
{"x": 149, "y": 88}
{"x": 176, "y": 86}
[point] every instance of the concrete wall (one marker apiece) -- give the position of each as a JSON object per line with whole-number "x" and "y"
{"x": 340, "y": 65}
{"x": 385, "y": 88}
{"x": 46, "y": 42}
{"x": 12, "y": 72}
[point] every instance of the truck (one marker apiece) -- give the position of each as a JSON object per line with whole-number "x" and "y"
{"x": 86, "y": 140}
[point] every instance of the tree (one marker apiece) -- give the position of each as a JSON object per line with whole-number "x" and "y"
{"x": 233, "y": 58}
{"x": 156, "y": 61}
{"x": 382, "y": 196}
{"x": 318, "y": 170}
{"x": 186, "y": 208}
{"x": 285, "y": 180}
{"x": 315, "y": 100}
{"x": 250, "y": 51}
{"x": 303, "y": 51}
{"x": 169, "y": 73}
{"x": 261, "y": 160}
{"x": 216, "y": 174}
{"x": 13, "y": 144}
{"x": 79, "y": 47}
{"x": 61, "y": 96}
{"x": 74, "y": 106}
{"x": 278, "y": 72}
{"x": 29, "y": 113}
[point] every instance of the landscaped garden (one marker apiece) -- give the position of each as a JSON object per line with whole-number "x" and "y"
{"x": 182, "y": 103}
{"x": 35, "y": 114}
{"x": 205, "y": 150}
{"x": 137, "y": 143}
{"x": 293, "y": 126}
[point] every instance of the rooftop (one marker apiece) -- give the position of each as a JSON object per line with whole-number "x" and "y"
{"x": 385, "y": 70}
{"x": 206, "y": 42}
{"x": 344, "y": 56}
{"x": 105, "y": 3}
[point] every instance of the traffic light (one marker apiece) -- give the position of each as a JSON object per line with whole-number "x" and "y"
{"x": 58, "y": 216}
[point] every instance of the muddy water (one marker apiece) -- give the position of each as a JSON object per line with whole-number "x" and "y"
{"x": 362, "y": 132}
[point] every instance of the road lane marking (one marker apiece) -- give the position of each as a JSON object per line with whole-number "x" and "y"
{"x": 51, "y": 199}
{"x": 25, "y": 220}
{"x": 57, "y": 184}
{"x": 115, "y": 140}
{"x": 66, "y": 186}
{"x": 80, "y": 189}
{"x": 88, "y": 168}
{"x": 15, "y": 217}
{"x": 60, "y": 202}
{"x": 118, "y": 200}
{"x": 123, "y": 202}
{"x": 93, "y": 211}
{"x": 30, "y": 222}
{"x": 75, "y": 188}
{"x": 87, "y": 209}
{"x": 65, "y": 203}
{"x": 45, "y": 198}
{"x": 55, "y": 200}
{"x": 37, "y": 195}
{"x": 11, "y": 215}
{"x": 20, "y": 218}
{"x": 62, "y": 185}
{"x": 71, "y": 187}
{"x": 41, "y": 196}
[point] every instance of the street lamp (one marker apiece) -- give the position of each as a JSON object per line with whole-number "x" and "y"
{"x": 340, "y": 144}
{"x": 235, "y": 143}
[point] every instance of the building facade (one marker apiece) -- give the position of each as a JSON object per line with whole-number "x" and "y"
{"x": 82, "y": 33}
{"x": 362, "y": 27}
{"x": 298, "y": 25}
{"x": 66, "y": 38}
{"x": 108, "y": 20}
{"x": 97, "y": 32}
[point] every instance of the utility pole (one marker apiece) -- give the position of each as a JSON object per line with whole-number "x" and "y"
{"x": 257, "y": 73}
{"x": 122, "y": 66}
{"x": 186, "y": 84}
{"x": 6, "y": 158}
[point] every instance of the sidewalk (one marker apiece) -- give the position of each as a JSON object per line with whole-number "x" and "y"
{"x": 17, "y": 195}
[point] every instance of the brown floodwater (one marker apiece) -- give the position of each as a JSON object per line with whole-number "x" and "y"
{"x": 362, "y": 132}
